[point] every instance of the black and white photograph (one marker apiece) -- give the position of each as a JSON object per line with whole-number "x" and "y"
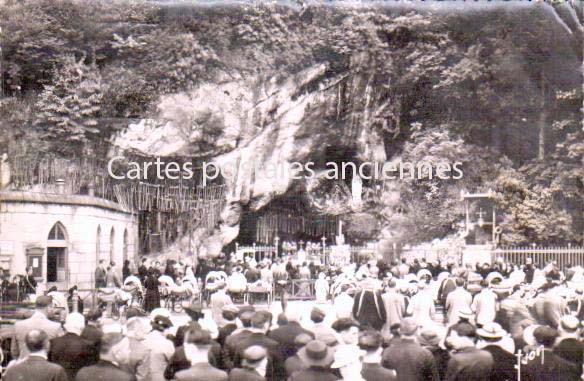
{"x": 291, "y": 190}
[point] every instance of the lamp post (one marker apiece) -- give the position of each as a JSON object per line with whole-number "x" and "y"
{"x": 324, "y": 260}
{"x": 276, "y": 241}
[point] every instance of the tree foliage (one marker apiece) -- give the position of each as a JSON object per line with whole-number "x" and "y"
{"x": 494, "y": 89}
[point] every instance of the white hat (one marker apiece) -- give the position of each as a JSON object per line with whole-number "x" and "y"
{"x": 159, "y": 312}
{"x": 347, "y": 354}
{"x": 74, "y": 323}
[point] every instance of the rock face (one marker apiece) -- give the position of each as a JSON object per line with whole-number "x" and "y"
{"x": 248, "y": 127}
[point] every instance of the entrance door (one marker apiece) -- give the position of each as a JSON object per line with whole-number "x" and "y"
{"x": 57, "y": 255}
{"x": 56, "y": 264}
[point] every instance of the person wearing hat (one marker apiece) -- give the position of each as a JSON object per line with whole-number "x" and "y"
{"x": 429, "y": 339}
{"x": 70, "y": 350}
{"x": 179, "y": 360}
{"x": 457, "y": 300}
{"x": 219, "y": 299}
{"x": 139, "y": 360}
{"x": 253, "y": 366}
{"x": 114, "y": 350}
{"x": 421, "y": 306}
{"x": 467, "y": 362}
{"x": 228, "y": 315}
{"x": 196, "y": 313}
{"x": 491, "y": 339}
{"x": 260, "y": 324}
{"x": 348, "y": 360}
{"x": 569, "y": 346}
{"x": 152, "y": 295}
{"x": 286, "y": 334}
{"x": 485, "y": 304}
{"x": 294, "y": 363}
{"x": 347, "y": 331}
{"x": 322, "y": 331}
{"x": 548, "y": 366}
{"x": 395, "y": 306}
{"x": 370, "y": 342}
{"x": 408, "y": 358}
{"x": 231, "y": 342}
{"x": 197, "y": 345}
{"x": 161, "y": 349}
{"x": 318, "y": 357}
{"x": 38, "y": 320}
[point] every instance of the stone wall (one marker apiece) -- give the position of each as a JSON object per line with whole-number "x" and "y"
{"x": 27, "y": 218}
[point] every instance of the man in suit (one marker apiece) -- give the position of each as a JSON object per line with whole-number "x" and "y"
{"x": 549, "y": 366}
{"x": 139, "y": 361}
{"x": 408, "y": 358}
{"x": 395, "y": 306}
{"x": 286, "y": 334}
{"x": 260, "y": 323}
{"x": 197, "y": 345}
{"x": 492, "y": 334}
{"x": 569, "y": 346}
{"x": 143, "y": 270}
{"x": 370, "y": 342}
{"x": 70, "y": 350}
{"x": 457, "y": 300}
{"x": 100, "y": 275}
{"x": 317, "y": 357}
{"x": 219, "y": 299}
{"x": 114, "y": 350}
{"x": 36, "y": 366}
{"x": 294, "y": 363}
{"x": 229, "y": 314}
{"x": 253, "y": 367}
{"x": 39, "y": 320}
{"x": 468, "y": 363}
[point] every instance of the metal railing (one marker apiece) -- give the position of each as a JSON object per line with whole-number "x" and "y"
{"x": 563, "y": 256}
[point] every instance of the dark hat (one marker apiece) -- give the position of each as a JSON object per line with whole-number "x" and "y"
{"x": 259, "y": 319}
{"x": 317, "y": 314}
{"x": 545, "y": 335}
{"x": 161, "y": 322}
{"x": 198, "y": 336}
{"x": 43, "y": 301}
{"x": 408, "y": 326}
{"x": 254, "y": 354}
{"x": 370, "y": 340}
{"x": 316, "y": 353}
{"x": 194, "y": 310}
{"x": 344, "y": 324}
{"x": 428, "y": 338}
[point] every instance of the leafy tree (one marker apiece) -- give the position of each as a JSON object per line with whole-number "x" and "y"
{"x": 70, "y": 106}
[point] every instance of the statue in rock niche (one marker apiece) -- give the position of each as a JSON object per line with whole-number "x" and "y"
{"x": 357, "y": 190}
{"x": 5, "y": 172}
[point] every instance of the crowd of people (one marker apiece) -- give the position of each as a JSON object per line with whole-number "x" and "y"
{"x": 370, "y": 321}
{"x": 16, "y": 288}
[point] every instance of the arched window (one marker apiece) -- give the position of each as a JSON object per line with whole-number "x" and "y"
{"x": 126, "y": 244}
{"x": 57, "y": 254}
{"x": 57, "y": 233}
{"x": 112, "y": 243}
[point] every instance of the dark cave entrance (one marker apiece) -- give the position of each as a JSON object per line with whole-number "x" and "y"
{"x": 291, "y": 217}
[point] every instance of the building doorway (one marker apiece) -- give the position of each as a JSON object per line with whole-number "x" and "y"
{"x": 57, "y": 254}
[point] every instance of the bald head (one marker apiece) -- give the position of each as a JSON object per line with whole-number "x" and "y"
{"x": 37, "y": 341}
